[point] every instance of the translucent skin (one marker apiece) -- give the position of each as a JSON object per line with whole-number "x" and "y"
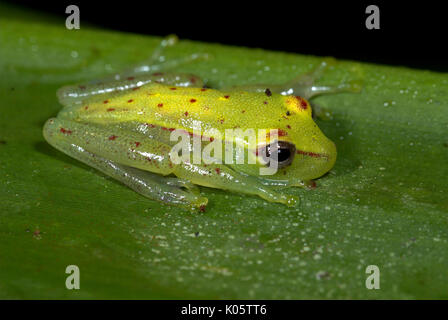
{"x": 184, "y": 107}
{"x": 122, "y": 127}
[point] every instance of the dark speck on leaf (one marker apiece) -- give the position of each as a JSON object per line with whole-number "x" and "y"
{"x": 37, "y": 234}
{"x": 95, "y": 51}
{"x": 196, "y": 234}
{"x": 445, "y": 144}
{"x": 2, "y": 142}
{"x": 323, "y": 275}
{"x": 268, "y": 92}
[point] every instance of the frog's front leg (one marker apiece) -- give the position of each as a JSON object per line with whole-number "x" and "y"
{"x": 84, "y": 143}
{"x": 223, "y": 177}
{"x": 127, "y": 155}
{"x": 304, "y": 85}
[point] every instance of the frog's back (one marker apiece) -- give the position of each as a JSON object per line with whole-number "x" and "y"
{"x": 180, "y": 107}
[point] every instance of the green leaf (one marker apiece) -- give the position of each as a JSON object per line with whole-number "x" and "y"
{"x": 385, "y": 203}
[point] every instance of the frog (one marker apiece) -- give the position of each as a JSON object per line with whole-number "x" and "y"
{"x": 123, "y": 125}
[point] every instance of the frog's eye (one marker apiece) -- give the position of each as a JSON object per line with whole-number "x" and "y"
{"x": 285, "y": 153}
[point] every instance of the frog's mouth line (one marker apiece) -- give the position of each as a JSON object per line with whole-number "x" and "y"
{"x": 312, "y": 154}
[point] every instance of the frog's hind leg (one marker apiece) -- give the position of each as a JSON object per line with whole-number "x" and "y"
{"x": 130, "y": 79}
{"x": 157, "y": 61}
{"x": 81, "y": 94}
{"x": 63, "y": 135}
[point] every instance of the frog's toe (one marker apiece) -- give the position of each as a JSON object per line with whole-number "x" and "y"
{"x": 286, "y": 199}
{"x": 290, "y": 200}
{"x": 183, "y": 183}
{"x": 200, "y": 205}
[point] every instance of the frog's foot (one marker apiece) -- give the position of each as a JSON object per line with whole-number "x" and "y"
{"x": 158, "y": 62}
{"x": 304, "y": 85}
{"x": 153, "y": 186}
{"x": 354, "y": 86}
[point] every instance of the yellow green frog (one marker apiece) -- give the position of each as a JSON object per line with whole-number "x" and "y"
{"x": 123, "y": 127}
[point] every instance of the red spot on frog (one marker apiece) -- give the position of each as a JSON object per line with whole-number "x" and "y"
{"x": 302, "y": 103}
{"x": 113, "y": 137}
{"x": 130, "y": 100}
{"x": 137, "y": 144}
{"x": 192, "y": 100}
{"x": 66, "y": 131}
{"x": 281, "y": 133}
{"x": 110, "y": 109}
{"x": 131, "y": 78}
{"x": 186, "y": 113}
{"x": 218, "y": 171}
{"x": 173, "y": 88}
{"x": 160, "y": 105}
{"x": 106, "y": 101}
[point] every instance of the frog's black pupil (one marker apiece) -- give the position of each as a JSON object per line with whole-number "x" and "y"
{"x": 283, "y": 154}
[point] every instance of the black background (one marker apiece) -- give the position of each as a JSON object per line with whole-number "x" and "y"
{"x": 413, "y": 34}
